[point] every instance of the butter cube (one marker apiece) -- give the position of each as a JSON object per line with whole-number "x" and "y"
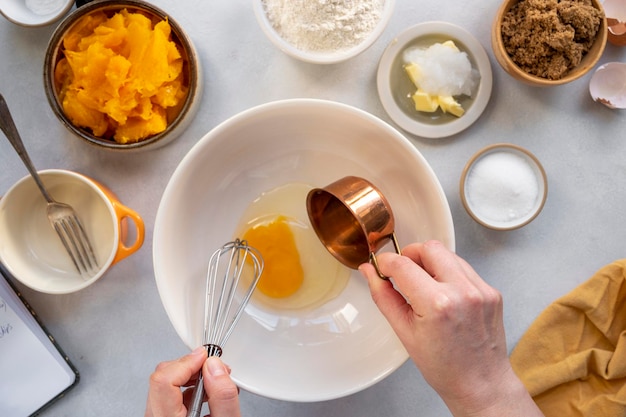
{"x": 451, "y": 44}
{"x": 424, "y": 101}
{"x": 414, "y": 73}
{"x": 450, "y": 105}
{"x": 429, "y": 103}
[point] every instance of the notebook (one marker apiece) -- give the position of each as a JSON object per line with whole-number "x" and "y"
{"x": 34, "y": 371}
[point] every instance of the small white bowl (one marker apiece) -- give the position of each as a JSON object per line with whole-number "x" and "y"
{"x": 395, "y": 87}
{"x": 321, "y": 57}
{"x": 507, "y": 195}
{"x": 43, "y": 12}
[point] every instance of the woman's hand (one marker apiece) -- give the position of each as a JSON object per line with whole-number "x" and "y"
{"x": 450, "y": 322}
{"x": 166, "y": 398}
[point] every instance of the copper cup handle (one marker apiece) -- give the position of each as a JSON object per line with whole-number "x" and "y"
{"x": 373, "y": 260}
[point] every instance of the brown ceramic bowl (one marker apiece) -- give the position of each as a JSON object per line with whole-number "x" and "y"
{"x": 178, "y": 117}
{"x": 503, "y": 58}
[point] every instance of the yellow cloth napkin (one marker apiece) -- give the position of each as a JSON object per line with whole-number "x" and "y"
{"x": 572, "y": 358}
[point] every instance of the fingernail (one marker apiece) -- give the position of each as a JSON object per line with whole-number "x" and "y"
{"x": 198, "y": 350}
{"x": 215, "y": 366}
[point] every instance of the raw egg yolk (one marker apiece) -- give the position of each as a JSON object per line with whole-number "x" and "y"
{"x": 283, "y": 273}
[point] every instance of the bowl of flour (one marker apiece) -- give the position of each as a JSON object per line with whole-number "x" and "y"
{"x": 323, "y": 32}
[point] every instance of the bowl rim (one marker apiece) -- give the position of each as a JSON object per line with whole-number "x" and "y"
{"x": 511, "y": 148}
{"x": 474, "y": 49}
{"x": 503, "y": 58}
{"x": 321, "y": 57}
{"x": 184, "y": 41}
{"x": 38, "y": 20}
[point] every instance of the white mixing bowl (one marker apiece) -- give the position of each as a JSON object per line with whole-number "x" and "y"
{"x": 335, "y": 349}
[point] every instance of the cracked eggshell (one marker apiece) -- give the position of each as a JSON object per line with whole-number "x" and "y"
{"x": 615, "y": 11}
{"x": 608, "y": 85}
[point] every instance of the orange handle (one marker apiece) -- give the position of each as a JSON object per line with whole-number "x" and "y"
{"x": 123, "y": 213}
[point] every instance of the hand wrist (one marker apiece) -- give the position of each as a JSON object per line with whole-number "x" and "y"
{"x": 506, "y": 397}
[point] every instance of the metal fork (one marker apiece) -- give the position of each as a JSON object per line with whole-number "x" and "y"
{"x": 62, "y": 217}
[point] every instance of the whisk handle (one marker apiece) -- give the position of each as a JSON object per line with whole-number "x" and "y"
{"x": 195, "y": 406}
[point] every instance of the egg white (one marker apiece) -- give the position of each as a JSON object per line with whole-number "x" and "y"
{"x": 324, "y": 276}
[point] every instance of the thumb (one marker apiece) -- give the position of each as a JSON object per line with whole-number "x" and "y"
{"x": 222, "y": 393}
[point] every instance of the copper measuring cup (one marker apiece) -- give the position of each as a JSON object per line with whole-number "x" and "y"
{"x": 353, "y": 220}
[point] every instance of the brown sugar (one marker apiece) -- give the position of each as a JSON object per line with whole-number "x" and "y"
{"x": 547, "y": 38}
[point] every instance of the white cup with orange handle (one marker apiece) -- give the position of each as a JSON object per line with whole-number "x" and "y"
{"x": 30, "y": 248}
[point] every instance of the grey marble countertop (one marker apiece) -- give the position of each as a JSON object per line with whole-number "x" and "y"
{"x": 116, "y": 331}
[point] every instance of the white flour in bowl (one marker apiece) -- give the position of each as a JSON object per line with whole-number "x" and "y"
{"x": 324, "y": 25}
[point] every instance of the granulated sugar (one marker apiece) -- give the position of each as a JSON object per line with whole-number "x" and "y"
{"x": 502, "y": 187}
{"x": 324, "y": 25}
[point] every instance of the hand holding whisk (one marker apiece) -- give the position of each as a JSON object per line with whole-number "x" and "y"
{"x": 224, "y": 303}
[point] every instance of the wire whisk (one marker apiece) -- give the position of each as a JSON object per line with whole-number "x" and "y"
{"x": 233, "y": 273}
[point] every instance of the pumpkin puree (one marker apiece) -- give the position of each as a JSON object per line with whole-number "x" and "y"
{"x": 120, "y": 75}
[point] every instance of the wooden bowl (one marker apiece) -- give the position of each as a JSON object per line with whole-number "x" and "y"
{"x": 588, "y": 62}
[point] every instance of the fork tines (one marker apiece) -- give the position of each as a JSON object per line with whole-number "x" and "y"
{"x": 77, "y": 245}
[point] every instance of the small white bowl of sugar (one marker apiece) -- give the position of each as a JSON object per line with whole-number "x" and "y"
{"x": 323, "y": 32}
{"x": 503, "y": 186}
{"x": 34, "y": 13}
